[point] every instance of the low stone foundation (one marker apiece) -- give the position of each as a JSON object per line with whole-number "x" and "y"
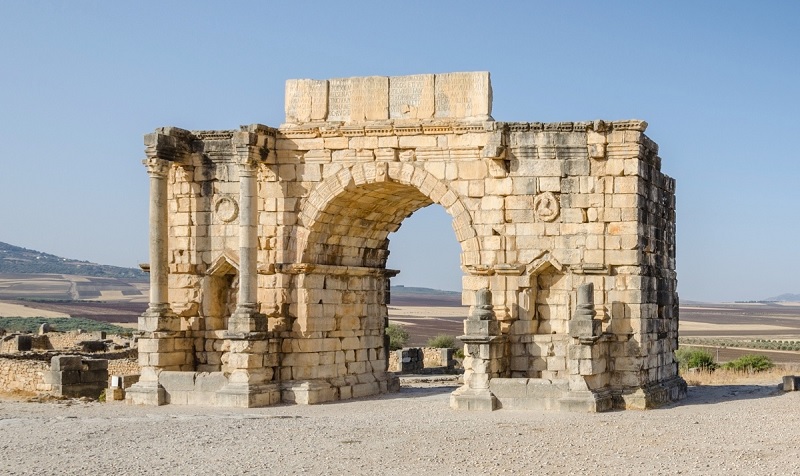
{"x": 28, "y": 372}
{"x": 422, "y": 360}
{"x": 73, "y": 376}
{"x": 545, "y": 394}
{"x": 214, "y": 388}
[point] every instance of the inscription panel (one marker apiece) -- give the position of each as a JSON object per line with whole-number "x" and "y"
{"x": 411, "y": 97}
{"x": 319, "y": 100}
{"x": 297, "y": 104}
{"x": 369, "y": 99}
{"x": 378, "y": 98}
{"x": 463, "y": 95}
{"x": 339, "y": 91}
{"x": 306, "y": 100}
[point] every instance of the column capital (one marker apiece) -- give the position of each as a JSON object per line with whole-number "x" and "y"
{"x": 250, "y": 151}
{"x": 168, "y": 143}
{"x": 248, "y": 158}
{"x": 157, "y": 168}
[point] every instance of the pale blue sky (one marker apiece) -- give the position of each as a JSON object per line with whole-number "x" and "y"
{"x": 718, "y": 82}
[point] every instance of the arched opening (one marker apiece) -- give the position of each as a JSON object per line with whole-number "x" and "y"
{"x": 426, "y": 295}
{"x": 342, "y": 278}
{"x": 355, "y": 225}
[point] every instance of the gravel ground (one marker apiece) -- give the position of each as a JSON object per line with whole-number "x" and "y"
{"x": 729, "y": 429}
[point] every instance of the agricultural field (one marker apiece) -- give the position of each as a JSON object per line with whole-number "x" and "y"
{"x": 731, "y": 330}
{"x": 728, "y": 330}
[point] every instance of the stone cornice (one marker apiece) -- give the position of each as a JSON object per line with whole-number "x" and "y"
{"x": 310, "y": 268}
{"x": 403, "y": 128}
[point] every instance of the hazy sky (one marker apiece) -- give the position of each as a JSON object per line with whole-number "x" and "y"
{"x": 718, "y": 82}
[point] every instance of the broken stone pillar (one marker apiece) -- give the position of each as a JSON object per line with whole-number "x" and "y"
{"x": 588, "y": 357}
{"x": 483, "y": 356}
{"x": 583, "y": 324}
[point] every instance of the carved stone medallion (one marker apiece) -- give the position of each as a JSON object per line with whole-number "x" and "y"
{"x": 546, "y": 206}
{"x": 226, "y": 209}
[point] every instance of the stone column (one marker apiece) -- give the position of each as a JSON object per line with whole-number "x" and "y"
{"x": 252, "y": 355}
{"x": 246, "y": 317}
{"x": 160, "y": 326}
{"x": 158, "y": 316}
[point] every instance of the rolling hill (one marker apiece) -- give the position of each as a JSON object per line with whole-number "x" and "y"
{"x": 17, "y": 260}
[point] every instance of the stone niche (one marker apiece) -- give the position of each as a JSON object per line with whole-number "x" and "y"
{"x": 268, "y": 250}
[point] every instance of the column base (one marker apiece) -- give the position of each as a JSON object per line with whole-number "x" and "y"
{"x": 146, "y": 393}
{"x": 309, "y": 392}
{"x": 247, "y": 319}
{"x": 159, "y": 318}
{"x": 586, "y": 402}
{"x": 652, "y": 396}
{"x": 480, "y": 399}
{"x": 245, "y": 395}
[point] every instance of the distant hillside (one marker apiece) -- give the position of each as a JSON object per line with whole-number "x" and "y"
{"x": 16, "y": 260}
{"x": 785, "y": 297}
{"x": 398, "y": 290}
{"x": 412, "y": 296}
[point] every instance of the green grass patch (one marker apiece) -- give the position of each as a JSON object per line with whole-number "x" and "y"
{"x": 59, "y": 324}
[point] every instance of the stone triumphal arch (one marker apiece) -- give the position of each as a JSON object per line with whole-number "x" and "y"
{"x": 268, "y": 251}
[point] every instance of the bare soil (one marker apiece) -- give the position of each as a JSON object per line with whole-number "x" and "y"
{"x": 741, "y": 428}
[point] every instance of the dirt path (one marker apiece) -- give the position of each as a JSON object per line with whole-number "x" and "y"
{"x": 731, "y": 429}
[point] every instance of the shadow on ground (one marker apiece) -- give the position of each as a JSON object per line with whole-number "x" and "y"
{"x": 711, "y": 394}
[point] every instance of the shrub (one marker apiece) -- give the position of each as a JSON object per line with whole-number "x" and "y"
{"x": 695, "y": 359}
{"x": 459, "y": 353}
{"x": 398, "y": 336}
{"x": 750, "y": 363}
{"x": 60, "y": 324}
{"x": 442, "y": 341}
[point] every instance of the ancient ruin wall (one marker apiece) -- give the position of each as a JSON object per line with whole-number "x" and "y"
{"x": 538, "y": 209}
{"x": 21, "y": 375}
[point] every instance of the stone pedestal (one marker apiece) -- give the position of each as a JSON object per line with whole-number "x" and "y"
{"x": 482, "y": 363}
{"x": 246, "y": 320}
{"x": 146, "y": 393}
{"x": 484, "y": 356}
{"x": 245, "y": 395}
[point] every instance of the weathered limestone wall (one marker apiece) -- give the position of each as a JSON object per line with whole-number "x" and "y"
{"x": 123, "y": 367}
{"x": 20, "y": 375}
{"x": 299, "y": 216}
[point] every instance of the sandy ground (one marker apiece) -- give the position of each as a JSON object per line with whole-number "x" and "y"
{"x": 428, "y": 311}
{"x": 8, "y": 309}
{"x": 730, "y": 429}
